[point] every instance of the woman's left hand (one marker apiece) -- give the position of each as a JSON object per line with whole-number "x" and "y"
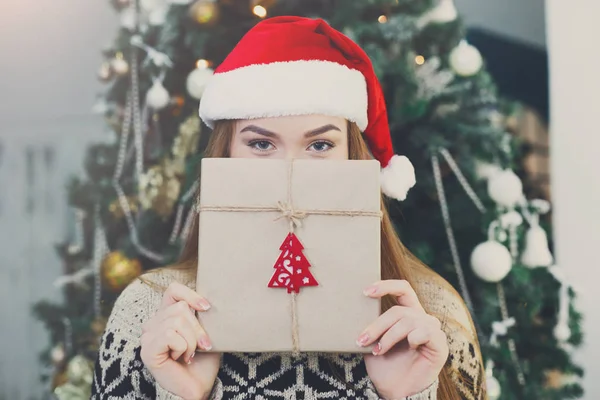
{"x": 410, "y": 348}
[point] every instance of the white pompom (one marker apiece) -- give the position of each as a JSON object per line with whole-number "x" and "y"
{"x": 197, "y": 80}
{"x": 157, "y": 97}
{"x": 562, "y": 332}
{"x": 536, "y": 253}
{"x": 491, "y": 261}
{"x": 465, "y": 59}
{"x": 505, "y": 188}
{"x": 398, "y": 177}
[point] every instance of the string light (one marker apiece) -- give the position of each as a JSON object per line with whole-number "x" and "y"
{"x": 260, "y": 11}
{"x": 420, "y": 60}
{"x": 382, "y": 19}
{"x": 202, "y": 63}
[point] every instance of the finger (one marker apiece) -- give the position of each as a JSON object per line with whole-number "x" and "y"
{"x": 180, "y": 308}
{"x": 178, "y": 292}
{"x": 435, "y": 340}
{"x": 169, "y": 342}
{"x": 401, "y": 289}
{"x": 397, "y": 333}
{"x": 183, "y": 327}
{"x": 384, "y": 322}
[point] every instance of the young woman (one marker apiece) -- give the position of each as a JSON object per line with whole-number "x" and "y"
{"x": 296, "y": 88}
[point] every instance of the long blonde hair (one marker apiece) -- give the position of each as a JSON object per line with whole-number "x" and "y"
{"x": 397, "y": 262}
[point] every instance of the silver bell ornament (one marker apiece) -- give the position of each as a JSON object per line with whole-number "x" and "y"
{"x": 536, "y": 253}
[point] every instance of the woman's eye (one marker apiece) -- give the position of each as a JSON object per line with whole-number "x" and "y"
{"x": 321, "y": 146}
{"x": 261, "y": 145}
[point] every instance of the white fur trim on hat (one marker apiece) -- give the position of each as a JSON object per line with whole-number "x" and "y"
{"x": 286, "y": 88}
{"x": 398, "y": 177}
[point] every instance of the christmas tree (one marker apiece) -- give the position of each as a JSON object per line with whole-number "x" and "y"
{"x": 468, "y": 217}
{"x": 291, "y": 268}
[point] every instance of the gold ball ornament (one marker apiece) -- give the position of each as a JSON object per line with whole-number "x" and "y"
{"x": 119, "y": 271}
{"x": 205, "y": 12}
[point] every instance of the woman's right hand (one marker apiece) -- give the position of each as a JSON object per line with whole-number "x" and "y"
{"x": 169, "y": 342}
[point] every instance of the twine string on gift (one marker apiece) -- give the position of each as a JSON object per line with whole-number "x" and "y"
{"x": 295, "y": 217}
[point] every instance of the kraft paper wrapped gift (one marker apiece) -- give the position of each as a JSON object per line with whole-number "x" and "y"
{"x": 271, "y": 292}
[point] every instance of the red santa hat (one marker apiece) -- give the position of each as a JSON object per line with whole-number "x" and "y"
{"x": 297, "y": 66}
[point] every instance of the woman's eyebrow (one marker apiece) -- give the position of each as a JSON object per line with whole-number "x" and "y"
{"x": 259, "y": 130}
{"x": 321, "y": 130}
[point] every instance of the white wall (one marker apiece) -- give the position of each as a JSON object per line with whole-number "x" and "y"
{"x": 49, "y": 55}
{"x": 518, "y": 19}
{"x": 573, "y": 34}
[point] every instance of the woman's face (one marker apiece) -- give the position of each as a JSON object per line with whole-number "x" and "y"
{"x": 299, "y": 137}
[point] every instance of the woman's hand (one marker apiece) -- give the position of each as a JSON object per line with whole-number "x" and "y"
{"x": 169, "y": 342}
{"x": 410, "y": 347}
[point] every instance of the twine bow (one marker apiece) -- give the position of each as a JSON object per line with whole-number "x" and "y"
{"x": 294, "y": 216}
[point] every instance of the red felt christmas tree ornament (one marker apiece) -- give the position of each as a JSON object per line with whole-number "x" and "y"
{"x": 291, "y": 268}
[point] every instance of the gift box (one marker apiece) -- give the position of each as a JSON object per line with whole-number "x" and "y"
{"x": 285, "y": 251}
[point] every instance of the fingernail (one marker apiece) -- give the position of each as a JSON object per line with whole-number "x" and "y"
{"x": 370, "y": 290}
{"x": 362, "y": 339}
{"x": 203, "y": 304}
{"x": 377, "y": 349}
{"x": 189, "y": 361}
{"x": 206, "y": 344}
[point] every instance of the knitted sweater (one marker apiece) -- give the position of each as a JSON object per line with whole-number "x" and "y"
{"x": 121, "y": 374}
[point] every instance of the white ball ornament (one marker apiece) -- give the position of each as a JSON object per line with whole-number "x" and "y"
{"x": 157, "y": 97}
{"x": 466, "y": 60}
{"x": 491, "y": 261}
{"x": 197, "y": 80}
{"x": 505, "y": 188}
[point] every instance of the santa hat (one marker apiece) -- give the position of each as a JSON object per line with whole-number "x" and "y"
{"x": 296, "y": 66}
